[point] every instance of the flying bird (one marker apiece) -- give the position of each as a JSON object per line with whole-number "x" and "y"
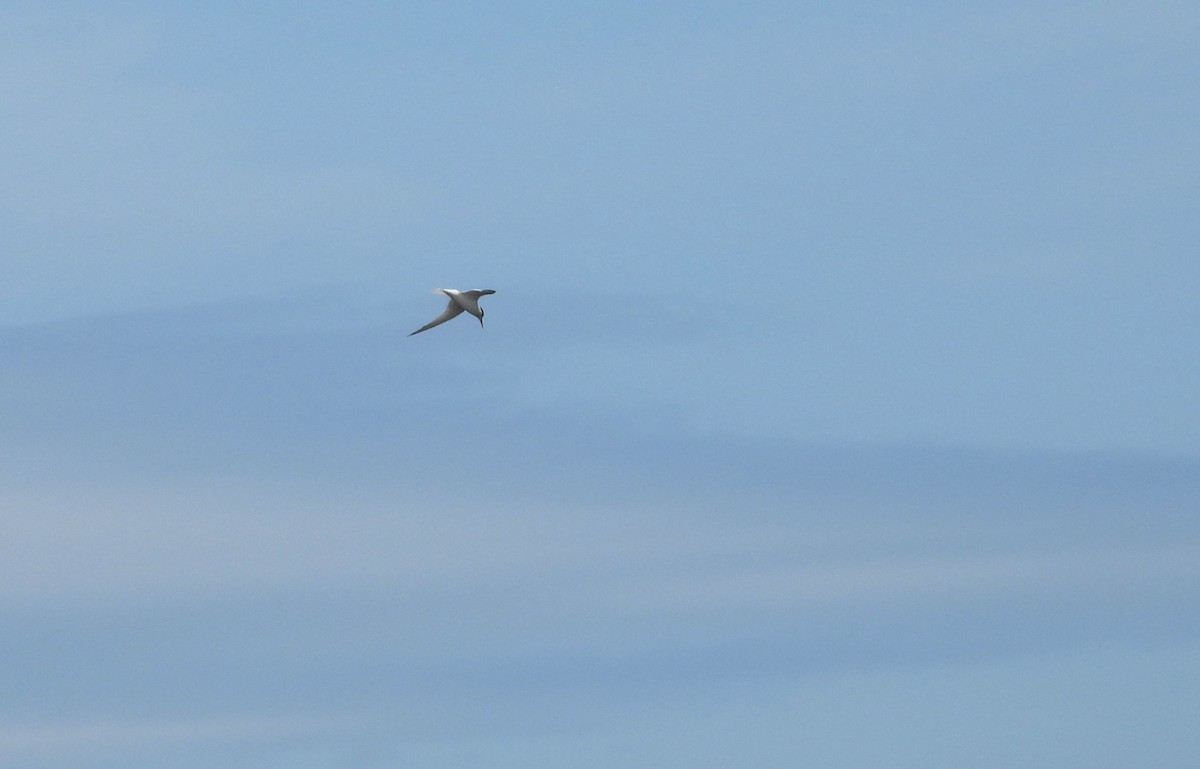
{"x": 459, "y": 301}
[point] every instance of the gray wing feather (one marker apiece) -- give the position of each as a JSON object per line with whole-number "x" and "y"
{"x": 452, "y": 310}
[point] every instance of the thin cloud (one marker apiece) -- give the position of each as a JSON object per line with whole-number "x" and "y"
{"x": 108, "y": 739}
{"x": 923, "y": 579}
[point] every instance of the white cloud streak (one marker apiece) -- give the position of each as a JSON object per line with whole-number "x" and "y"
{"x": 922, "y": 579}
{"x": 99, "y": 741}
{"x": 116, "y": 547}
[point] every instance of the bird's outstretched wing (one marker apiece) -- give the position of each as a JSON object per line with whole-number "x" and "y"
{"x": 452, "y": 310}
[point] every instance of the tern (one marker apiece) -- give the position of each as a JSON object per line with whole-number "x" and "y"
{"x": 459, "y": 301}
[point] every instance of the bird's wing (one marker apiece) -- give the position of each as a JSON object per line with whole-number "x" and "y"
{"x": 452, "y": 309}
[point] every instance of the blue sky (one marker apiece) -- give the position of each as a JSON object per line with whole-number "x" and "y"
{"x": 836, "y": 406}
